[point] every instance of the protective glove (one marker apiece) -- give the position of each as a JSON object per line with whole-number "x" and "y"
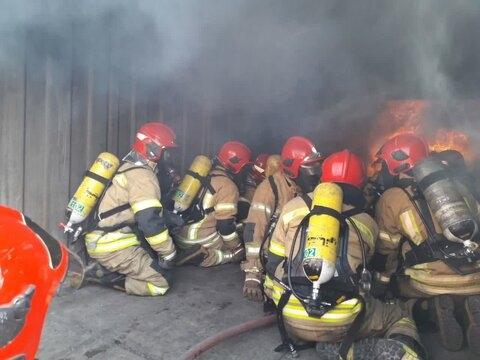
{"x": 173, "y": 220}
{"x": 252, "y": 288}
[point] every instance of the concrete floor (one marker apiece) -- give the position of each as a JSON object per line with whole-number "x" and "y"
{"x": 98, "y": 323}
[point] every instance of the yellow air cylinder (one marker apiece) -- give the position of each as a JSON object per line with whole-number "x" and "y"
{"x": 92, "y": 187}
{"x": 323, "y": 232}
{"x": 189, "y": 187}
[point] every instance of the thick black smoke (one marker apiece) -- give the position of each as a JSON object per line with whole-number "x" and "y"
{"x": 319, "y": 68}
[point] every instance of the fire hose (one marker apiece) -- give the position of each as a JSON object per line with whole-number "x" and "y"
{"x": 214, "y": 340}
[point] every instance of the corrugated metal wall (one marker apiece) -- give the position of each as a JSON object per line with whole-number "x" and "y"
{"x": 55, "y": 117}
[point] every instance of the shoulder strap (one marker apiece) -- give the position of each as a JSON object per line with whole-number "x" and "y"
{"x": 114, "y": 211}
{"x": 130, "y": 168}
{"x": 307, "y": 200}
{"x": 274, "y": 188}
{"x": 117, "y": 209}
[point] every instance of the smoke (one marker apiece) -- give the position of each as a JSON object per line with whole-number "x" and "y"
{"x": 317, "y": 68}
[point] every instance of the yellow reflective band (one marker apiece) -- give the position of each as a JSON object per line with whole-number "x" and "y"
{"x": 342, "y": 313}
{"x": 385, "y": 279}
{"x": 406, "y": 322}
{"x": 331, "y": 316}
{"x": 230, "y": 237}
{"x": 410, "y": 227}
{"x": 207, "y": 200}
{"x": 103, "y": 246}
{"x": 193, "y": 229}
{"x": 225, "y": 207}
{"x": 297, "y": 213}
{"x": 156, "y": 290}
{"x": 254, "y": 250}
{"x": 261, "y": 207}
{"x": 276, "y": 248}
{"x": 268, "y": 283}
{"x": 385, "y": 236}
{"x": 170, "y": 256}
{"x": 159, "y": 238}
{"x": 219, "y": 256}
{"x": 146, "y": 204}
{"x": 243, "y": 199}
{"x": 121, "y": 179}
{"x": 366, "y": 233}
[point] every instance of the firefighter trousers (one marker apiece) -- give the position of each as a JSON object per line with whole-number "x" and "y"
{"x": 137, "y": 265}
{"x": 381, "y": 320}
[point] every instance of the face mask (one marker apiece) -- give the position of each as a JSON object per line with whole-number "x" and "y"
{"x": 384, "y": 179}
{"x": 309, "y": 177}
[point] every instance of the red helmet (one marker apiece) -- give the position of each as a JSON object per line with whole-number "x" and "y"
{"x": 296, "y": 152}
{"x": 234, "y": 155}
{"x": 152, "y": 139}
{"x": 402, "y": 152}
{"x": 344, "y": 167}
{"x": 32, "y": 265}
{"x": 258, "y": 168}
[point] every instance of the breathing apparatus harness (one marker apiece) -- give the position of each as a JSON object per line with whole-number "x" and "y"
{"x": 196, "y": 212}
{"x": 272, "y": 223}
{"x": 436, "y": 247}
{"x": 347, "y": 284}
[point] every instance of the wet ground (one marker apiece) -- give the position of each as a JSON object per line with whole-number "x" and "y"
{"x": 98, "y": 323}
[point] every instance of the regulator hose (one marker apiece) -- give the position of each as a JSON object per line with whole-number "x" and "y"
{"x": 214, "y": 340}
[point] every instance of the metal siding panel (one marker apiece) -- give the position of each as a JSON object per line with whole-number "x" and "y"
{"x": 58, "y": 102}
{"x": 36, "y": 149}
{"x": 12, "y": 126}
{"x": 79, "y": 134}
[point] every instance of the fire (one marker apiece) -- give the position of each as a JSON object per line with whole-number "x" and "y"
{"x": 452, "y": 140}
{"x": 408, "y": 116}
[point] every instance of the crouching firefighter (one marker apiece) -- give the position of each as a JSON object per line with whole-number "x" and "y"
{"x": 317, "y": 275}
{"x": 300, "y": 170}
{"x": 247, "y": 188}
{"x": 127, "y": 243}
{"x": 210, "y": 237}
{"x": 429, "y": 220}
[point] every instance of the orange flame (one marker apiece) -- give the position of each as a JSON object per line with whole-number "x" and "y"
{"x": 408, "y": 116}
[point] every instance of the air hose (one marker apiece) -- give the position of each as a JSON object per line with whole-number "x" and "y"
{"x": 214, "y": 340}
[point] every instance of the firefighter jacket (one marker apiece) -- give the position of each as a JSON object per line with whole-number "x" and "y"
{"x": 245, "y": 199}
{"x": 220, "y": 207}
{"x": 398, "y": 219}
{"x": 340, "y": 317}
{"x": 267, "y": 202}
{"x": 135, "y": 185}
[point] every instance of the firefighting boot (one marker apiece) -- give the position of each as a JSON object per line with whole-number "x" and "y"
{"x": 451, "y": 334}
{"x": 472, "y": 309}
{"x": 97, "y": 274}
{"x": 370, "y": 349}
{"x": 194, "y": 255}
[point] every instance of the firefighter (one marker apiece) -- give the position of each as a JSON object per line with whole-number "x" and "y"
{"x": 247, "y": 188}
{"x": 339, "y": 311}
{"x": 32, "y": 266}
{"x": 299, "y": 161}
{"x": 426, "y": 218}
{"x": 132, "y": 221}
{"x": 211, "y": 236}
